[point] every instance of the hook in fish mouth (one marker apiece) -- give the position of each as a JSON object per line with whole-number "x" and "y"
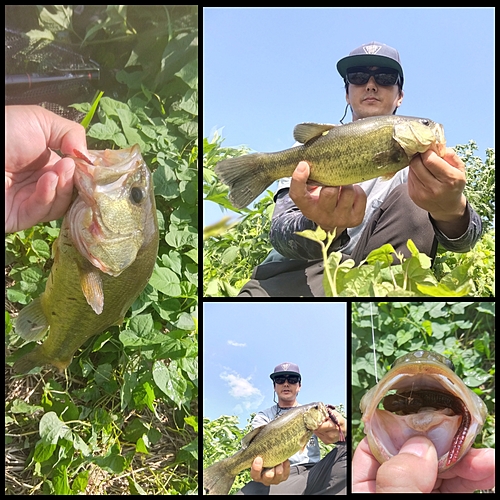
{"x": 421, "y": 395}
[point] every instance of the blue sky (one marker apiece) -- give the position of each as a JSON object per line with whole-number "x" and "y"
{"x": 267, "y": 69}
{"x": 243, "y": 342}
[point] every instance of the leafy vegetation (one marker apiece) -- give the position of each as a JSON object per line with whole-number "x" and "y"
{"x": 232, "y": 250}
{"x": 123, "y": 419}
{"x": 377, "y": 276}
{"x": 229, "y": 256}
{"x": 461, "y": 331}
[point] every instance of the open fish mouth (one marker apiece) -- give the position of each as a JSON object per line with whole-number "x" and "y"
{"x": 422, "y": 395}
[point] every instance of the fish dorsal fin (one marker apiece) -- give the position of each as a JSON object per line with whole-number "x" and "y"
{"x": 248, "y": 438}
{"x": 304, "y": 132}
{"x": 91, "y": 284}
{"x": 31, "y": 324}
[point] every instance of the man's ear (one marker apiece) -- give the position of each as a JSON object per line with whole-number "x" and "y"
{"x": 400, "y": 100}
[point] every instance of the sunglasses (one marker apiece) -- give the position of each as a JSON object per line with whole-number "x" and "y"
{"x": 383, "y": 76}
{"x": 292, "y": 379}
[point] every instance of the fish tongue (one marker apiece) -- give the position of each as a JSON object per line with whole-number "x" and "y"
{"x": 435, "y": 425}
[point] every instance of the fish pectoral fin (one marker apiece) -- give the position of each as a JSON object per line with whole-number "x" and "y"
{"x": 304, "y": 440}
{"x": 389, "y": 157}
{"x": 31, "y": 323}
{"x": 304, "y": 132}
{"x": 248, "y": 438}
{"x": 91, "y": 284}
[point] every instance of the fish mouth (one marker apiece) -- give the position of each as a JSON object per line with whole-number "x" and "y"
{"x": 388, "y": 429}
{"x": 107, "y": 167}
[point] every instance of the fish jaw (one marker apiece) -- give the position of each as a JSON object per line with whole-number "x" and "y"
{"x": 110, "y": 218}
{"x": 387, "y": 431}
{"x": 420, "y": 135}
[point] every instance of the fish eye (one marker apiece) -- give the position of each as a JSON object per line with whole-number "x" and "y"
{"x": 425, "y": 122}
{"x": 136, "y": 194}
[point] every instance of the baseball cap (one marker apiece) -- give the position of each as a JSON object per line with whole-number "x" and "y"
{"x": 286, "y": 369}
{"x": 371, "y": 54}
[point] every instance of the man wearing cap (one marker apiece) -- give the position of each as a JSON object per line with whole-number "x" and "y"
{"x": 423, "y": 202}
{"x": 303, "y": 473}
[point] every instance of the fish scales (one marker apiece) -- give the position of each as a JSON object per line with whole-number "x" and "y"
{"x": 337, "y": 155}
{"x": 274, "y": 442}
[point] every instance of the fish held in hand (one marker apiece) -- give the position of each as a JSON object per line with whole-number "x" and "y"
{"x": 103, "y": 257}
{"x": 275, "y": 442}
{"x": 431, "y": 401}
{"x": 338, "y": 155}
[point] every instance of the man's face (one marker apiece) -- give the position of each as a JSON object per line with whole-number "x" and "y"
{"x": 287, "y": 392}
{"x": 372, "y": 99}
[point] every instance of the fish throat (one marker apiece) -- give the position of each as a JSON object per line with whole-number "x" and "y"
{"x": 413, "y": 401}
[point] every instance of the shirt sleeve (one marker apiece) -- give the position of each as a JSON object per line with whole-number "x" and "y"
{"x": 286, "y": 221}
{"x": 465, "y": 242}
{"x": 259, "y": 420}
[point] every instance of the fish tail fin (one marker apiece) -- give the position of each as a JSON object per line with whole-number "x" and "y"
{"x": 38, "y": 357}
{"x": 29, "y": 361}
{"x": 216, "y": 479}
{"x": 246, "y": 176}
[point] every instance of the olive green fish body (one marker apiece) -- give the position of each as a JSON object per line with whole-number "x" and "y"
{"x": 80, "y": 300}
{"x": 275, "y": 442}
{"x": 337, "y": 155}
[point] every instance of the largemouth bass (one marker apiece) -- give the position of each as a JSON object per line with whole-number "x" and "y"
{"x": 274, "y": 442}
{"x": 338, "y": 155}
{"x": 103, "y": 257}
{"x": 430, "y": 400}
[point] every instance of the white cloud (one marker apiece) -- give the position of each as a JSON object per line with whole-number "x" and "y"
{"x": 242, "y": 389}
{"x": 236, "y": 344}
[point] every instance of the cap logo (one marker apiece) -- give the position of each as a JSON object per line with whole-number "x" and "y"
{"x": 372, "y": 49}
{"x": 285, "y": 366}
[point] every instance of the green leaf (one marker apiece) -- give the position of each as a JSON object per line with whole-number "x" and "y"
{"x": 88, "y": 117}
{"x": 168, "y": 381}
{"x": 80, "y": 482}
{"x": 382, "y": 254}
{"x": 166, "y": 281}
{"x": 112, "y": 462}
{"x": 317, "y": 235}
{"x": 165, "y": 182}
{"x": 443, "y": 291}
{"x": 51, "y": 428}
{"x": 43, "y": 452}
{"x": 230, "y": 255}
{"x": 41, "y": 248}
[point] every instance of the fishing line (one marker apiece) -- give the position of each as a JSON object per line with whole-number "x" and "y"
{"x": 373, "y": 342}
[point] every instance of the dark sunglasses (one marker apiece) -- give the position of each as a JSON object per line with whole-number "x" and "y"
{"x": 292, "y": 379}
{"x": 383, "y": 76}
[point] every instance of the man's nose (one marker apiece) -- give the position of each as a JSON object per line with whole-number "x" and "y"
{"x": 371, "y": 83}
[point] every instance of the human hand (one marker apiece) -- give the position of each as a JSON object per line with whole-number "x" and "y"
{"x": 328, "y": 432}
{"x": 436, "y": 185}
{"x": 267, "y": 477}
{"x": 329, "y": 207}
{"x": 38, "y": 182}
{"x": 414, "y": 470}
